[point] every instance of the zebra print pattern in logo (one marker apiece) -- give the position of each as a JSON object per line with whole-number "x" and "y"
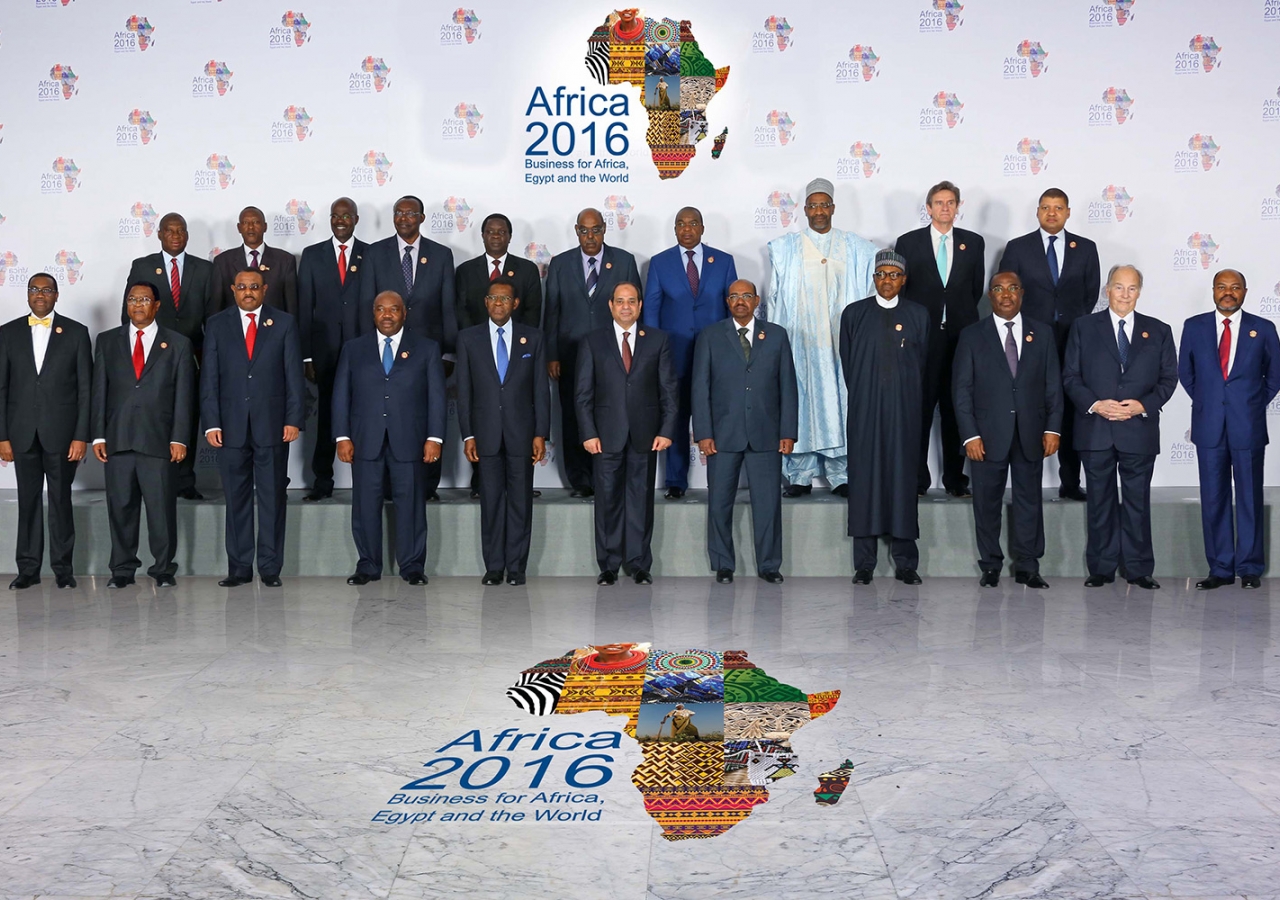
{"x": 597, "y": 62}
{"x": 537, "y": 693}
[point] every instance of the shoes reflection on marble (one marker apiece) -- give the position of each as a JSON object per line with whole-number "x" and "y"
{"x": 1213, "y": 582}
{"x": 120, "y": 581}
{"x": 1097, "y": 581}
{"x": 862, "y": 576}
{"x": 772, "y": 577}
{"x": 66, "y": 581}
{"x": 272, "y": 581}
{"x": 22, "y": 582}
{"x": 363, "y": 578}
{"x": 608, "y": 576}
{"x": 1031, "y": 580}
{"x": 1146, "y": 582}
{"x": 1250, "y": 582}
{"x": 165, "y": 581}
{"x": 990, "y": 578}
{"x": 492, "y": 577}
{"x": 908, "y": 576}
{"x": 724, "y": 576}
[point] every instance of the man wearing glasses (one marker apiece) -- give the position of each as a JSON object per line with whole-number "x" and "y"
{"x": 816, "y": 274}
{"x": 580, "y": 283}
{"x": 46, "y": 372}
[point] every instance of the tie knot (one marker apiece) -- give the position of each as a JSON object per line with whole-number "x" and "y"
{"x": 743, "y": 331}
{"x": 1226, "y": 323}
{"x": 626, "y": 334}
{"x": 388, "y": 342}
{"x": 139, "y": 332}
{"x": 1009, "y": 325}
{"x": 1052, "y": 238}
{"x": 591, "y": 261}
{"x": 500, "y": 331}
{"x": 689, "y": 253}
{"x": 342, "y": 246}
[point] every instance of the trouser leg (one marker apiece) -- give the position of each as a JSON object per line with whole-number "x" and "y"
{"x": 366, "y": 511}
{"x": 156, "y": 478}
{"x": 60, "y": 472}
{"x": 519, "y": 510}
{"x": 989, "y": 476}
{"x": 124, "y": 511}
{"x": 1026, "y": 536}
{"x": 1102, "y": 546}
{"x": 409, "y": 482}
{"x": 906, "y": 554}
{"x": 1248, "y": 469}
{"x": 763, "y": 468}
{"x": 865, "y": 551}
{"x": 578, "y": 465}
{"x": 1215, "y": 466}
{"x": 235, "y": 464}
{"x": 677, "y": 455}
{"x": 723, "y": 468}
{"x": 270, "y": 472}
{"x": 1136, "y": 551}
{"x": 492, "y": 472}
{"x": 322, "y": 454}
{"x": 29, "y": 473}
{"x": 642, "y": 468}
{"x": 610, "y": 509}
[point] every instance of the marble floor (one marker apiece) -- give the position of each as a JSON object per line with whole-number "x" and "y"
{"x": 206, "y": 743}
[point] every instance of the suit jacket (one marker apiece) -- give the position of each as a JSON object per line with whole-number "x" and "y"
{"x": 744, "y": 405}
{"x": 143, "y": 415}
{"x": 671, "y": 306}
{"x": 965, "y": 286}
{"x": 54, "y": 402}
{"x": 992, "y": 404}
{"x": 1091, "y": 372}
{"x": 508, "y": 413}
{"x": 1076, "y": 292}
{"x": 431, "y": 308}
{"x": 472, "y": 282}
{"x": 615, "y": 405}
{"x": 571, "y": 315}
{"x": 251, "y": 415}
{"x": 279, "y": 271}
{"x": 1234, "y": 409}
{"x": 197, "y": 300}
{"x": 328, "y": 308}
{"x": 405, "y": 407}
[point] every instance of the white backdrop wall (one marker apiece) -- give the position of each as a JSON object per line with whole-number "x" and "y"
{"x": 1160, "y": 120}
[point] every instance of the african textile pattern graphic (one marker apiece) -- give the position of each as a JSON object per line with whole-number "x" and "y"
{"x": 537, "y": 692}
{"x": 831, "y": 784}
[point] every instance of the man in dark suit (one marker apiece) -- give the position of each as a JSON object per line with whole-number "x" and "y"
{"x": 1008, "y": 400}
{"x": 46, "y": 376}
{"x": 626, "y": 403}
{"x": 389, "y": 415}
{"x": 745, "y": 411}
{"x": 504, "y": 413}
{"x": 947, "y": 278}
{"x": 1230, "y": 365}
{"x": 251, "y": 401}
{"x": 141, "y": 417}
{"x": 421, "y": 272}
{"x": 1060, "y": 276}
{"x": 329, "y": 315}
{"x": 1120, "y": 370}
{"x": 278, "y": 267}
{"x": 184, "y": 284}
{"x": 685, "y": 292}
{"x": 579, "y": 284}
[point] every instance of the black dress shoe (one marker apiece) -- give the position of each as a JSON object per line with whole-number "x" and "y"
{"x": 724, "y": 576}
{"x": 959, "y": 492}
{"x": 674, "y": 493}
{"x": 66, "y": 581}
{"x": 22, "y": 582}
{"x": 433, "y": 497}
{"x": 608, "y": 576}
{"x": 841, "y": 490}
{"x": 1098, "y": 580}
{"x": 1073, "y": 493}
{"x": 772, "y": 577}
{"x": 642, "y": 576}
{"x": 363, "y": 578}
{"x": 120, "y": 581}
{"x": 581, "y": 493}
{"x": 1031, "y": 580}
{"x": 537, "y": 494}
{"x": 862, "y": 576}
{"x": 907, "y": 576}
{"x": 417, "y": 579}
{"x": 272, "y": 581}
{"x": 1146, "y": 582}
{"x": 1248, "y": 582}
{"x": 475, "y": 495}
{"x": 990, "y": 578}
{"x": 165, "y": 581}
{"x": 1213, "y": 582}
{"x": 492, "y": 577}
{"x": 190, "y": 494}
{"x": 234, "y": 581}
{"x": 316, "y": 494}
{"x": 515, "y": 579}
{"x": 797, "y": 490}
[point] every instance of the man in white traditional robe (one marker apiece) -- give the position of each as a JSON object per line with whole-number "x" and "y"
{"x": 816, "y": 274}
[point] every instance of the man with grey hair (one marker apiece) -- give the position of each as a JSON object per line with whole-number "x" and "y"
{"x": 816, "y": 273}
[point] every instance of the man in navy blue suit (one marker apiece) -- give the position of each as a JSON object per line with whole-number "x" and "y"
{"x": 251, "y": 404}
{"x": 685, "y": 292}
{"x": 1121, "y": 369}
{"x": 1060, "y": 275}
{"x": 1230, "y": 365}
{"x": 389, "y": 417}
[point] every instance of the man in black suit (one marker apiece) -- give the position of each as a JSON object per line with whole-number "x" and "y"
{"x": 579, "y": 282}
{"x": 46, "y": 376}
{"x": 947, "y": 278}
{"x": 251, "y": 401}
{"x": 421, "y": 272}
{"x": 278, "y": 267}
{"x": 1060, "y": 276}
{"x": 184, "y": 285}
{"x": 627, "y": 400}
{"x": 141, "y": 417}
{"x": 389, "y": 415}
{"x": 1121, "y": 369}
{"x": 504, "y": 413}
{"x": 1008, "y": 399}
{"x": 329, "y": 315}
{"x": 745, "y": 411}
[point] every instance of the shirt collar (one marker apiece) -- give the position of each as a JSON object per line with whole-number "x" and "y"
{"x": 935, "y": 234}
{"x": 414, "y": 246}
{"x": 501, "y": 261}
{"x": 148, "y": 332}
{"x": 52, "y": 313}
{"x": 886, "y": 304}
{"x": 697, "y": 253}
{"x": 598, "y": 257}
{"x": 1000, "y": 323}
{"x": 618, "y": 330}
{"x": 1116, "y": 319}
{"x": 493, "y": 329}
{"x": 1044, "y": 235}
{"x": 261, "y": 250}
{"x": 349, "y": 243}
{"x": 1234, "y": 317}
{"x": 257, "y": 313}
{"x": 181, "y": 258}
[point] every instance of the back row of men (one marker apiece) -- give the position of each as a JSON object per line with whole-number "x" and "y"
{"x": 340, "y": 292}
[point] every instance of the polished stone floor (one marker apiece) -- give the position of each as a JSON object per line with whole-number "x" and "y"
{"x": 205, "y": 743}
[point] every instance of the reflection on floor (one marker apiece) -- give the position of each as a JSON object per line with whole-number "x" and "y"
{"x": 323, "y": 742}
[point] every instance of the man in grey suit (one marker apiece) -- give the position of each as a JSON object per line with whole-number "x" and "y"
{"x": 745, "y": 410}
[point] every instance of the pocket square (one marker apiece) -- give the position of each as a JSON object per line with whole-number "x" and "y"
{"x": 527, "y": 356}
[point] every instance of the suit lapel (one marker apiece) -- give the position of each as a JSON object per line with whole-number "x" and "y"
{"x": 158, "y": 346}
{"x": 27, "y": 353}
{"x": 735, "y": 343}
{"x": 998, "y": 337}
{"x": 1244, "y": 344}
{"x": 1107, "y": 334}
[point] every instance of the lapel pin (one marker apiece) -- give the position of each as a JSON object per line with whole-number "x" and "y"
{"x": 1251, "y": 333}
{"x": 423, "y": 261}
{"x": 159, "y": 271}
{"x": 511, "y": 274}
{"x": 1144, "y": 334}
{"x": 524, "y": 340}
{"x": 264, "y": 268}
{"x": 710, "y": 260}
{"x": 962, "y": 246}
{"x": 58, "y": 330}
{"x": 897, "y": 327}
{"x": 642, "y": 334}
{"x": 1029, "y": 337}
{"x": 269, "y": 322}
{"x": 760, "y": 336}
{"x": 1072, "y": 245}
{"x": 608, "y": 265}
{"x": 351, "y": 268}
{"x": 404, "y": 354}
{"x": 164, "y": 346}
{"x": 824, "y": 261}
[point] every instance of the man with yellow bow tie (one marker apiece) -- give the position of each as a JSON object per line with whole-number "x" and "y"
{"x": 46, "y": 375}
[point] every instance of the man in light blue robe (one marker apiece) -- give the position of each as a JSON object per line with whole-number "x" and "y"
{"x": 816, "y": 273}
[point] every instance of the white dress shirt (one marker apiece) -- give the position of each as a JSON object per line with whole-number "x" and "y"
{"x": 501, "y": 261}
{"x": 618, "y": 332}
{"x": 586, "y": 266}
{"x": 999, "y": 324}
{"x": 936, "y": 236}
{"x": 261, "y": 250}
{"x": 886, "y": 304}
{"x": 1235, "y": 318}
{"x": 395, "y": 353}
{"x": 1059, "y": 246}
{"x": 148, "y": 338}
{"x": 751, "y": 330}
{"x": 413, "y": 253}
{"x": 40, "y": 340}
{"x": 168, "y": 266}
{"x": 349, "y": 244}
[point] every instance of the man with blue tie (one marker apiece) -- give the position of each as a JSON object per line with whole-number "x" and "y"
{"x": 684, "y": 294}
{"x": 389, "y": 415}
{"x": 1230, "y": 365}
{"x": 1121, "y": 368}
{"x": 504, "y": 413}
{"x": 251, "y": 403}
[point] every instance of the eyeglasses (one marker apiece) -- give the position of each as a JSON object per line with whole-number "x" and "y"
{"x": 1000, "y": 289}
{"x": 742, "y": 296}
{"x": 139, "y": 301}
{"x": 341, "y": 217}
{"x": 505, "y": 298}
{"x": 594, "y": 232}
{"x": 819, "y": 207}
{"x": 407, "y": 214}
{"x": 887, "y": 276}
{"x": 42, "y": 292}
{"x": 249, "y": 287}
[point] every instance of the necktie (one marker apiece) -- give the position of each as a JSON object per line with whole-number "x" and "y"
{"x": 406, "y": 266}
{"x": 1051, "y": 257}
{"x": 1122, "y": 344}
{"x": 387, "y": 357}
{"x": 593, "y": 277}
{"x": 942, "y": 260}
{"x": 496, "y": 272}
{"x": 251, "y": 334}
{"x": 253, "y": 263}
{"x": 1224, "y": 348}
{"x": 175, "y": 284}
{"x": 502, "y": 358}
{"x": 139, "y": 359}
{"x": 692, "y": 271}
{"x": 342, "y": 264}
{"x": 33, "y": 321}
{"x": 1011, "y": 349}
{"x": 626, "y": 351}
{"x": 746, "y": 344}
